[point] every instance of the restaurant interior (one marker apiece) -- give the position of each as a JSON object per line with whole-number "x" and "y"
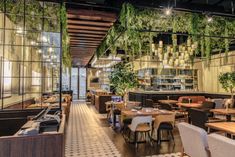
{"x": 126, "y": 78}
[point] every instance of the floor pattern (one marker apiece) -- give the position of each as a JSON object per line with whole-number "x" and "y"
{"x": 168, "y": 155}
{"x": 85, "y": 137}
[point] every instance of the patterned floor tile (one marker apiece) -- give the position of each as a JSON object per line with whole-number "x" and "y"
{"x": 85, "y": 137}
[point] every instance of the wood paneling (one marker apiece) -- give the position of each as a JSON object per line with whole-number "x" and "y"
{"x": 87, "y": 28}
{"x": 42, "y": 145}
{"x": 86, "y": 31}
{"x": 90, "y": 23}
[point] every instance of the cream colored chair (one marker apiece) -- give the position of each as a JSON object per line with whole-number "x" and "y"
{"x": 221, "y": 146}
{"x": 164, "y": 122}
{"x": 194, "y": 140}
{"x": 141, "y": 124}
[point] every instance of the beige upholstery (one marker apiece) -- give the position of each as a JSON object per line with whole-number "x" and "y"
{"x": 221, "y": 146}
{"x": 164, "y": 118}
{"x": 136, "y": 121}
{"x": 194, "y": 140}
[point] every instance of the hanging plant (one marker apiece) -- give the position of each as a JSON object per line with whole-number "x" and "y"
{"x": 66, "y": 57}
{"x": 135, "y": 20}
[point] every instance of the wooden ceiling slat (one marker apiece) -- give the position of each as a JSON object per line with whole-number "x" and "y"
{"x": 92, "y": 18}
{"x": 91, "y": 23}
{"x": 84, "y": 41}
{"x": 92, "y": 15}
{"x": 85, "y": 35}
{"x": 88, "y": 27}
{"x": 79, "y": 45}
{"x": 86, "y": 38}
{"x": 86, "y": 31}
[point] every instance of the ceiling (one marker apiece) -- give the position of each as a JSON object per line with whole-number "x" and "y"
{"x": 90, "y": 20}
{"x": 87, "y": 28}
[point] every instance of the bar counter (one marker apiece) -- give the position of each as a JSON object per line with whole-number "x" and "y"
{"x": 141, "y": 96}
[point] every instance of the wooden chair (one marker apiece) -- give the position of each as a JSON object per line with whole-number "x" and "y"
{"x": 141, "y": 124}
{"x": 164, "y": 123}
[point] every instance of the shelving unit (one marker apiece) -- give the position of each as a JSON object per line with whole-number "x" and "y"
{"x": 168, "y": 79}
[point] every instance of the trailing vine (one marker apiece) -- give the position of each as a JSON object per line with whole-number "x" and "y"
{"x": 66, "y": 57}
{"x": 134, "y": 41}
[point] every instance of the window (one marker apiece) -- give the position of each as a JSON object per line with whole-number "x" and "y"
{"x": 30, "y": 40}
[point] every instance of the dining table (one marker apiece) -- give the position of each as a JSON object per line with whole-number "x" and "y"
{"x": 189, "y": 105}
{"x": 226, "y": 127}
{"x": 223, "y": 111}
{"x": 168, "y": 101}
{"x": 144, "y": 112}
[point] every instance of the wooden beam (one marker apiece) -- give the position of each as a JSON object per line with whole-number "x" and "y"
{"x": 92, "y": 18}
{"x": 85, "y": 35}
{"x": 84, "y": 41}
{"x": 83, "y": 46}
{"x": 88, "y": 27}
{"x": 86, "y": 38}
{"x": 92, "y": 15}
{"x": 86, "y": 31}
{"x": 91, "y": 23}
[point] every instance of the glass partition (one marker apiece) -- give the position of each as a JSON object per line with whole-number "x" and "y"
{"x": 30, "y": 51}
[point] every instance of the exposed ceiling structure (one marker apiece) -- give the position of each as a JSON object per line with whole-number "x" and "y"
{"x": 87, "y": 28}
{"x": 90, "y": 20}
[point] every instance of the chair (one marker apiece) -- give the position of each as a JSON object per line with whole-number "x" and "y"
{"x": 199, "y": 117}
{"x": 141, "y": 124}
{"x": 207, "y": 106}
{"x": 181, "y": 115}
{"x": 218, "y": 103}
{"x": 148, "y": 103}
{"x": 164, "y": 123}
{"x": 194, "y": 140}
{"x": 221, "y": 146}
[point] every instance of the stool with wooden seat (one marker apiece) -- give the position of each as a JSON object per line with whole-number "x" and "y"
{"x": 164, "y": 123}
{"x": 141, "y": 124}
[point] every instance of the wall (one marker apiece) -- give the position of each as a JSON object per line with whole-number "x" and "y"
{"x": 208, "y": 73}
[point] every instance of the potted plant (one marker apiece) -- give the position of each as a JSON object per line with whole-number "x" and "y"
{"x": 227, "y": 81}
{"x": 123, "y": 79}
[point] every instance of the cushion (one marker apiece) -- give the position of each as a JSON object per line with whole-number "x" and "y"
{"x": 165, "y": 126}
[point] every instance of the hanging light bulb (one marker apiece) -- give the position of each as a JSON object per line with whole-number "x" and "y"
{"x": 168, "y": 11}
{"x": 209, "y": 18}
{"x": 160, "y": 43}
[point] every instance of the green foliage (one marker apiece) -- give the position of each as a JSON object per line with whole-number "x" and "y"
{"x": 227, "y": 81}
{"x": 66, "y": 57}
{"x": 135, "y": 41}
{"x": 123, "y": 79}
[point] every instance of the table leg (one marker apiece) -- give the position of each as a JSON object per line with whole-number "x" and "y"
{"x": 228, "y": 118}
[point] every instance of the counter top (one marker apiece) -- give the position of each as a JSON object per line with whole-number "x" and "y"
{"x": 174, "y": 92}
{"x": 165, "y": 92}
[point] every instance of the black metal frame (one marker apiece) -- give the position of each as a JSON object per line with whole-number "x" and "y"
{"x": 41, "y": 62}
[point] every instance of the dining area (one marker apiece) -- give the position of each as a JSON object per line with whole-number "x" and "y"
{"x": 200, "y": 123}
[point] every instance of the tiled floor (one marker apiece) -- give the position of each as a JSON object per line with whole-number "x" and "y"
{"x": 88, "y": 134}
{"x": 84, "y": 136}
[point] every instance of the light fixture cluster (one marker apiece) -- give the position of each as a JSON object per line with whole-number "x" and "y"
{"x": 168, "y": 11}
{"x": 180, "y": 57}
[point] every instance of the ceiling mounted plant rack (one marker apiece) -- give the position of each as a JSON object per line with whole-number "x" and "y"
{"x": 138, "y": 26}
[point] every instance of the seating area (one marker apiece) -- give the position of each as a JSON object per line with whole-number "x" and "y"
{"x": 117, "y": 78}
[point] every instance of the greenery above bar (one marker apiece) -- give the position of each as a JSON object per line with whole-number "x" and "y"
{"x": 136, "y": 28}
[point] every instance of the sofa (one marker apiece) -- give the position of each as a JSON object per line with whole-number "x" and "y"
{"x": 195, "y": 101}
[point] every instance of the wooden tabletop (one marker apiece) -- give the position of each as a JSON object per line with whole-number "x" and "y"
{"x": 189, "y": 105}
{"x": 144, "y": 112}
{"x": 168, "y": 101}
{"x": 224, "y": 111}
{"x": 228, "y": 127}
